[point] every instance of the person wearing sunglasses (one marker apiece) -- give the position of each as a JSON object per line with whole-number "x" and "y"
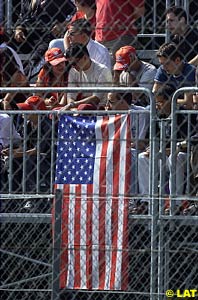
{"x": 80, "y": 31}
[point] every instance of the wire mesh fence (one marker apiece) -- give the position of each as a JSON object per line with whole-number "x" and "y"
{"x": 162, "y": 240}
{"x": 130, "y": 230}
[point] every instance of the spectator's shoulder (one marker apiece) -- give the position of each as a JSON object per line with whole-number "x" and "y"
{"x": 148, "y": 66}
{"x": 189, "y": 69}
{"x": 160, "y": 72}
{"x": 4, "y": 117}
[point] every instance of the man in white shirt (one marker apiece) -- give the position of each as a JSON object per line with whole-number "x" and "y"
{"x": 85, "y": 73}
{"x": 80, "y": 31}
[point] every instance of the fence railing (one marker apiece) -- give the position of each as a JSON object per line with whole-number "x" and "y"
{"x": 163, "y": 247}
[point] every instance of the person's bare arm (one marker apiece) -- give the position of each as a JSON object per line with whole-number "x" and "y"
{"x": 156, "y": 86}
{"x": 187, "y": 101}
{"x": 74, "y": 104}
{"x": 63, "y": 99}
{"x": 66, "y": 40}
{"x": 17, "y": 80}
{"x": 139, "y": 11}
{"x": 194, "y": 61}
{"x": 18, "y": 152}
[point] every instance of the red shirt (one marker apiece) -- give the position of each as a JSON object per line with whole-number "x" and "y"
{"x": 114, "y": 18}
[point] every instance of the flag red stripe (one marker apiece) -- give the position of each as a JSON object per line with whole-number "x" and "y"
{"x": 102, "y": 202}
{"x": 89, "y": 236}
{"x": 77, "y": 235}
{"x": 116, "y": 171}
{"x": 64, "y": 246}
{"x": 125, "y": 247}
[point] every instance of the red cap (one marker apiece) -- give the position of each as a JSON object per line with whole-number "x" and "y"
{"x": 32, "y": 103}
{"x": 123, "y": 57}
{"x": 54, "y": 56}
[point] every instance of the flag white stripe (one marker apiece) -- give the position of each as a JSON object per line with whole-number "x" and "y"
{"x": 60, "y": 186}
{"x": 123, "y": 135}
{"x": 95, "y": 216}
{"x": 71, "y": 235}
{"x": 109, "y": 184}
{"x": 83, "y": 235}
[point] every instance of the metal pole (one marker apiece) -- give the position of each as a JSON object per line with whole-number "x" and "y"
{"x": 153, "y": 189}
{"x": 8, "y": 15}
{"x": 1, "y": 12}
{"x": 56, "y": 244}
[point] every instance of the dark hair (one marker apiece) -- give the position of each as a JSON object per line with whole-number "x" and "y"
{"x": 169, "y": 50}
{"x": 3, "y": 35}
{"x": 165, "y": 91}
{"x": 47, "y": 67}
{"x": 125, "y": 96}
{"x": 76, "y": 50}
{"x": 8, "y": 65}
{"x": 82, "y": 26}
{"x": 177, "y": 11}
{"x": 90, "y": 3}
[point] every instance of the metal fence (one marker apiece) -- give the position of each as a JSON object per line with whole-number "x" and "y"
{"x": 163, "y": 246}
{"x": 150, "y": 27}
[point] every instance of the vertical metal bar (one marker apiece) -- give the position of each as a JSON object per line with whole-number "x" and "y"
{"x": 161, "y": 261}
{"x": 52, "y": 153}
{"x": 153, "y": 189}
{"x": 2, "y": 17}
{"x": 8, "y": 7}
{"x": 166, "y": 247}
{"x": 188, "y": 175}
{"x": 137, "y": 116}
{"x": 186, "y": 7}
{"x": 56, "y": 244}
{"x": 38, "y": 155}
{"x": 173, "y": 157}
{"x": 24, "y": 179}
{"x": 11, "y": 155}
{"x": 155, "y": 16}
{"x": 162, "y": 167}
{"x": 167, "y": 34}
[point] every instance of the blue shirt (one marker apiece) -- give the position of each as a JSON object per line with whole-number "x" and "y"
{"x": 185, "y": 79}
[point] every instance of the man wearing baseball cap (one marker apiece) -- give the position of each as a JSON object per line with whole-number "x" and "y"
{"x": 129, "y": 70}
{"x": 32, "y": 103}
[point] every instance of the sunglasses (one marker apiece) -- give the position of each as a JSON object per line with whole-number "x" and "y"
{"x": 73, "y": 33}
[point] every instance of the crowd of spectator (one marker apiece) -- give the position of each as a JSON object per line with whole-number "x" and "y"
{"x": 91, "y": 43}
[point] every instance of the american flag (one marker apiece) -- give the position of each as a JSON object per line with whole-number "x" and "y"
{"x": 93, "y": 171}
